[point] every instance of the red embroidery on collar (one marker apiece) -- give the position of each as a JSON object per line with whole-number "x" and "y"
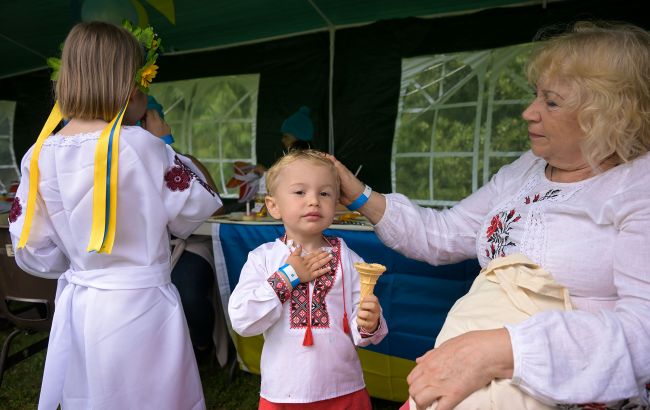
{"x": 299, "y": 310}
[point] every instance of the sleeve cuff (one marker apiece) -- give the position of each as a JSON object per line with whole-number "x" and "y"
{"x": 365, "y": 334}
{"x": 279, "y": 286}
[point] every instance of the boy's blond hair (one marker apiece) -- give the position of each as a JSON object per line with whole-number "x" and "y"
{"x": 310, "y": 155}
{"x": 98, "y": 67}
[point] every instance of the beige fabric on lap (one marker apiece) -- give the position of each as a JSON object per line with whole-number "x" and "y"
{"x": 508, "y": 290}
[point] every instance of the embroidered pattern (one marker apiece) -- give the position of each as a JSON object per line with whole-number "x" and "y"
{"x": 299, "y": 313}
{"x": 627, "y": 404}
{"x": 551, "y": 193}
{"x": 177, "y": 179}
{"x": 187, "y": 169}
{"x": 179, "y": 176}
{"x": 498, "y": 233}
{"x": 366, "y": 334}
{"x": 279, "y": 287}
{"x": 15, "y": 211}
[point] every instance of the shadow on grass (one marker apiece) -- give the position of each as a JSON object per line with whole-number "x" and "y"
{"x": 21, "y": 383}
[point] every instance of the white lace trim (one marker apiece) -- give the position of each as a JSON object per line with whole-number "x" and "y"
{"x": 76, "y": 140}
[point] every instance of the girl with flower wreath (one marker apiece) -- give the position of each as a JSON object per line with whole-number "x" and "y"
{"x": 119, "y": 339}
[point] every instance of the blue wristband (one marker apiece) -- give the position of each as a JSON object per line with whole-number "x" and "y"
{"x": 363, "y": 198}
{"x": 169, "y": 140}
{"x": 291, "y": 274}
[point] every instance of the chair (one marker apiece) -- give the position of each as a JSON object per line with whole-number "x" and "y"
{"x": 26, "y": 301}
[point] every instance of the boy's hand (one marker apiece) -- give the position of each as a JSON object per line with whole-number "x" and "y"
{"x": 311, "y": 266}
{"x": 368, "y": 315}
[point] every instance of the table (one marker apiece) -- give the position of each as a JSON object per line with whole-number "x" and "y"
{"x": 415, "y": 298}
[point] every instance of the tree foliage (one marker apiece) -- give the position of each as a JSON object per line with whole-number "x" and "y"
{"x": 214, "y": 120}
{"x": 455, "y": 108}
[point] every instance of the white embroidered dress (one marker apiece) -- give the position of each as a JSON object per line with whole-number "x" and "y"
{"x": 261, "y": 303}
{"x": 119, "y": 338}
{"x": 593, "y": 236}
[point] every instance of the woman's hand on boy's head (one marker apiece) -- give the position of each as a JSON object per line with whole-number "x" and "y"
{"x": 311, "y": 266}
{"x": 351, "y": 186}
{"x": 153, "y": 123}
{"x": 368, "y": 314}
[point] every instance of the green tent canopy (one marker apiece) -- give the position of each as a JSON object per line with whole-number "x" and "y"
{"x": 31, "y": 31}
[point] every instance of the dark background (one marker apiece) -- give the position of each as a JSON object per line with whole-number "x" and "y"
{"x": 367, "y": 67}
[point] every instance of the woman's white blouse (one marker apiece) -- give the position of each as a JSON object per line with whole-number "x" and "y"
{"x": 593, "y": 236}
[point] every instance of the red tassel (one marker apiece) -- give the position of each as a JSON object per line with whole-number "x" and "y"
{"x": 309, "y": 339}
{"x": 346, "y": 326}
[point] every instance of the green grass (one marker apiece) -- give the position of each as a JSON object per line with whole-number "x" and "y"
{"x": 21, "y": 383}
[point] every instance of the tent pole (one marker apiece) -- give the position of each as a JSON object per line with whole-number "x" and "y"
{"x": 330, "y": 87}
{"x": 330, "y": 92}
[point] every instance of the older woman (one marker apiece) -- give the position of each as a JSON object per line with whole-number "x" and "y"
{"x": 577, "y": 204}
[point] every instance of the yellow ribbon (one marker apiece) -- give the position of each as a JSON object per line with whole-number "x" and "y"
{"x": 52, "y": 121}
{"x": 102, "y": 234}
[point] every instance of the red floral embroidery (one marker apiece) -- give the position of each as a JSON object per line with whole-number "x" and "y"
{"x": 179, "y": 176}
{"x": 177, "y": 179}
{"x": 299, "y": 312}
{"x": 498, "y": 233}
{"x": 551, "y": 193}
{"x": 279, "y": 287}
{"x": 16, "y": 210}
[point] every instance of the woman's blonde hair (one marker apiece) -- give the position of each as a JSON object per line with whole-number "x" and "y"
{"x": 313, "y": 156}
{"x": 97, "y": 74}
{"x": 607, "y": 65}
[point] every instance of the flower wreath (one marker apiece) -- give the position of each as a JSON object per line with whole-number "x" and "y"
{"x": 147, "y": 38}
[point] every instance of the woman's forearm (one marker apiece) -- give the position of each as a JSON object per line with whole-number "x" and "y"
{"x": 374, "y": 208}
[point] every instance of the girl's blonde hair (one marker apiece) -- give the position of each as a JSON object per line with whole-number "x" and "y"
{"x": 607, "y": 65}
{"x": 97, "y": 74}
{"x": 313, "y": 156}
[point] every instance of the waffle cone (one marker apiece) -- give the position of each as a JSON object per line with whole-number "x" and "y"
{"x": 368, "y": 274}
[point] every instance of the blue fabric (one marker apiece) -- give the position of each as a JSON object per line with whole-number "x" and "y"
{"x": 169, "y": 139}
{"x": 299, "y": 125}
{"x": 153, "y": 104}
{"x": 415, "y": 296}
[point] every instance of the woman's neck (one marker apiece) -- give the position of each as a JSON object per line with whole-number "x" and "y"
{"x": 556, "y": 174}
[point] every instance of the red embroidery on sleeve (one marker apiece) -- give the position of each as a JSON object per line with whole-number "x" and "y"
{"x": 16, "y": 210}
{"x": 179, "y": 176}
{"x": 279, "y": 287}
{"x": 177, "y": 179}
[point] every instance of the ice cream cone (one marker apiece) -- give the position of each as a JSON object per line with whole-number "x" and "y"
{"x": 369, "y": 273}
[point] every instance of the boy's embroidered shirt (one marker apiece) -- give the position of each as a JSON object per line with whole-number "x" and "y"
{"x": 291, "y": 372}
